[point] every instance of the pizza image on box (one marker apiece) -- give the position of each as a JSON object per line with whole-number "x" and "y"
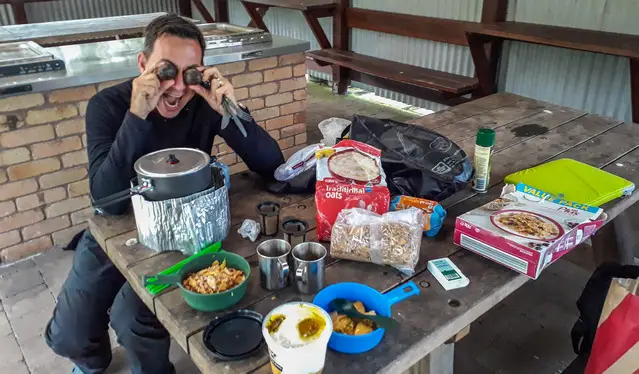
{"x": 527, "y": 224}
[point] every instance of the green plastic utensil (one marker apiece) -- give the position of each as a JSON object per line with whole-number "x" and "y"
{"x": 345, "y": 307}
{"x": 154, "y": 289}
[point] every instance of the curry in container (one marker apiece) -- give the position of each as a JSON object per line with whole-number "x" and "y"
{"x": 214, "y": 279}
{"x": 354, "y": 326}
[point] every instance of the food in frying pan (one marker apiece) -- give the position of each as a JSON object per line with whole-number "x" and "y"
{"x": 214, "y": 279}
{"x": 529, "y": 225}
{"x": 354, "y": 165}
{"x": 354, "y": 326}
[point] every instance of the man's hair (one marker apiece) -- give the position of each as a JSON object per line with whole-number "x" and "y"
{"x": 174, "y": 25}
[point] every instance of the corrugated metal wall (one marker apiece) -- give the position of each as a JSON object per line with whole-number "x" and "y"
{"x": 592, "y": 82}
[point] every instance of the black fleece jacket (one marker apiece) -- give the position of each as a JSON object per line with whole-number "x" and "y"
{"x": 116, "y": 138}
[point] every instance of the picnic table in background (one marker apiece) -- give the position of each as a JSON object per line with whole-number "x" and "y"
{"x": 529, "y": 132}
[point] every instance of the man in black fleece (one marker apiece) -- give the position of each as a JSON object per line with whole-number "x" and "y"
{"x": 123, "y": 123}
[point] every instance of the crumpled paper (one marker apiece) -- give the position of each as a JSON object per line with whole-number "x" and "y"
{"x": 249, "y": 229}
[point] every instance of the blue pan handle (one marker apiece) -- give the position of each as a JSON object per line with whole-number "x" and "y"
{"x": 402, "y": 292}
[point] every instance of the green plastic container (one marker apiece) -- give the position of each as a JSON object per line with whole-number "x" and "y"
{"x": 207, "y": 303}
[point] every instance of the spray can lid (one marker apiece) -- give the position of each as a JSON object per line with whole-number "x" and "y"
{"x": 485, "y": 137}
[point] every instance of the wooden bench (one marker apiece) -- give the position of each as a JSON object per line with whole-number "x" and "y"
{"x": 615, "y": 44}
{"x": 429, "y": 84}
{"x": 311, "y": 9}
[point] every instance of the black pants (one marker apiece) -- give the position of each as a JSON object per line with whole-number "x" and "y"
{"x": 94, "y": 294}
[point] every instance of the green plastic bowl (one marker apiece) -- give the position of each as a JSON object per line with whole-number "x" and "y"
{"x": 203, "y": 302}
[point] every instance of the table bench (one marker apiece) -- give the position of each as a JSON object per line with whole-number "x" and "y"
{"x": 311, "y": 9}
{"x": 427, "y": 322}
{"x": 429, "y": 84}
{"x": 615, "y": 44}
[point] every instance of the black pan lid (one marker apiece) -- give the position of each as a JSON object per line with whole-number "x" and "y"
{"x": 234, "y": 336}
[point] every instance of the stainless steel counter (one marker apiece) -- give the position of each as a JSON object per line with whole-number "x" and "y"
{"x": 113, "y": 60}
{"x": 56, "y": 33}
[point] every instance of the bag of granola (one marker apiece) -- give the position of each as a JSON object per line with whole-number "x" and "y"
{"x": 393, "y": 238}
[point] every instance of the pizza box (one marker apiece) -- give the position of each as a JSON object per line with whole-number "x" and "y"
{"x": 526, "y": 229}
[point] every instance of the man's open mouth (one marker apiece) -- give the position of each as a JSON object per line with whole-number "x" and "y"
{"x": 171, "y": 101}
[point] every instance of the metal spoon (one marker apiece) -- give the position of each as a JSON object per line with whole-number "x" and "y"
{"x": 345, "y": 307}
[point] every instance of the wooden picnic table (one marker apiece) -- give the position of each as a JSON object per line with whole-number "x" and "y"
{"x": 529, "y": 132}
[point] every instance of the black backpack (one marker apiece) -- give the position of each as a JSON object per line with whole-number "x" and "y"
{"x": 591, "y": 302}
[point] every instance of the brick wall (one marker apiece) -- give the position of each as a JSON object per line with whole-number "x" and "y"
{"x": 43, "y": 162}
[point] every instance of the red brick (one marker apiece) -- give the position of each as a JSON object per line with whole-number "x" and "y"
{"x": 299, "y": 70}
{"x": 15, "y": 189}
{"x": 275, "y": 134}
{"x": 33, "y": 168}
{"x": 62, "y": 177}
{"x": 279, "y": 99}
{"x": 6, "y": 208}
{"x": 254, "y": 104}
{"x": 25, "y": 249}
{"x": 232, "y": 68}
{"x": 81, "y": 216}
{"x": 70, "y": 127}
{"x": 67, "y": 206}
{"x": 279, "y": 122}
{"x": 248, "y": 79}
{"x": 45, "y": 227}
{"x": 286, "y": 142}
{"x": 75, "y": 158}
{"x": 294, "y": 107}
{"x": 238, "y": 168}
{"x": 300, "y": 117}
{"x": 278, "y": 74}
{"x": 263, "y": 89}
{"x": 224, "y": 148}
{"x": 267, "y": 113}
{"x": 41, "y": 198}
{"x": 300, "y": 94}
{"x": 56, "y": 147}
{"x": 108, "y": 84}
{"x": 82, "y": 107}
{"x": 262, "y": 63}
{"x": 57, "y": 113}
{"x": 78, "y": 188}
{"x": 293, "y": 84}
{"x": 14, "y": 103}
{"x": 240, "y": 94}
{"x": 293, "y": 130}
{"x": 9, "y": 238}
{"x": 20, "y": 220}
{"x": 14, "y": 156}
{"x": 29, "y": 135}
{"x": 72, "y": 94}
{"x": 63, "y": 237}
{"x": 228, "y": 159}
{"x": 291, "y": 151}
{"x": 300, "y": 139}
{"x": 292, "y": 59}
{"x": 11, "y": 122}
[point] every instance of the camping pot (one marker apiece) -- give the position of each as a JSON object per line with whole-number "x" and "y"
{"x": 166, "y": 174}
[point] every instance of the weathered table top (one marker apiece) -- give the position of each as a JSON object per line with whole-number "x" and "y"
{"x": 529, "y": 132}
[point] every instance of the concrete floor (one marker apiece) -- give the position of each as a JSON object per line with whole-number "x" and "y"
{"x": 528, "y": 333}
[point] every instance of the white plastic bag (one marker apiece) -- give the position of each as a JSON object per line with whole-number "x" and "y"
{"x": 332, "y": 129}
{"x": 250, "y": 229}
{"x": 300, "y": 161}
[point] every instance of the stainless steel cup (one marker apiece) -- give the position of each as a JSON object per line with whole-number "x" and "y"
{"x": 308, "y": 262}
{"x": 274, "y": 269}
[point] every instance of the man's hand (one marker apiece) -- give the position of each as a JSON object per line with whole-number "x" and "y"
{"x": 147, "y": 91}
{"x": 219, "y": 87}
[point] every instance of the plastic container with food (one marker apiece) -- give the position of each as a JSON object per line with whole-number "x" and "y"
{"x": 297, "y": 335}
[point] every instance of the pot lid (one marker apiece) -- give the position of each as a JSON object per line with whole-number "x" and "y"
{"x": 234, "y": 336}
{"x": 171, "y": 162}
